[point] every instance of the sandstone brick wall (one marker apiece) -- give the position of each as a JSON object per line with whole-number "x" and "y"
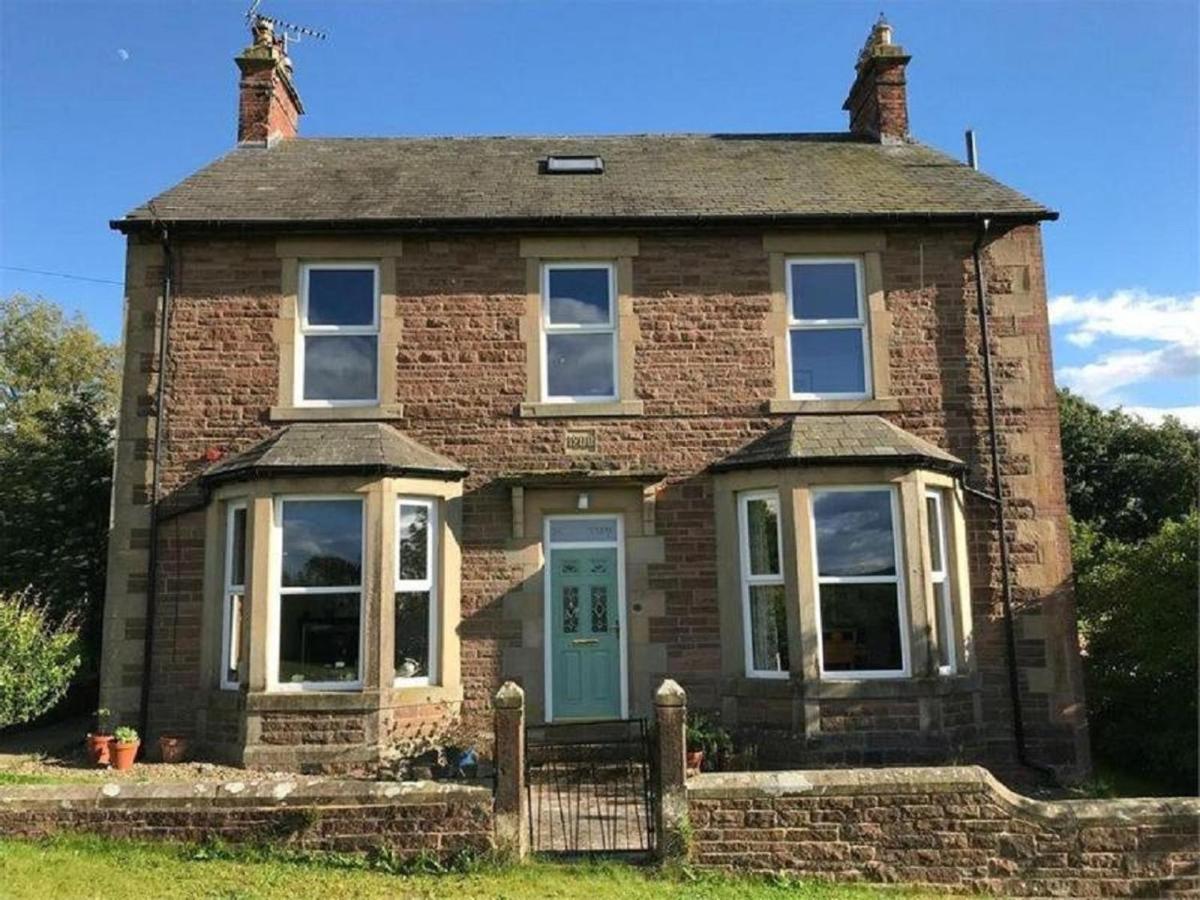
{"x": 339, "y": 816}
{"x": 953, "y": 829}
{"x": 704, "y": 370}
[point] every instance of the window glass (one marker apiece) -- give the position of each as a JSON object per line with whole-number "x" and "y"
{"x": 764, "y": 604}
{"x": 340, "y": 367}
{"x": 858, "y": 582}
{"x": 414, "y": 542}
{"x": 322, "y": 543}
{"x": 579, "y": 296}
{"x": 237, "y": 556}
{"x": 828, "y": 361}
{"x": 860, "y": 627}
{"x": 768, "y": 628}
{"x": 580, "y": 365}
{"x": 320, "y": 594}
{"x": 854, "y": 533}
{"x": 827, "y": 290}
{"x": 318, "y": 637}
{"x": 580, "y": 347}
{"x": 339, "y": 340}
{"x": 341, "y": 297}
{"x": 581, "y": 531}
{"x": 412, "y": 634}
{"x": 416, "y": 597}
{"x": 234, "y": 595}
{"x": 762, "y": 519}
{"x": 943, "y": 601}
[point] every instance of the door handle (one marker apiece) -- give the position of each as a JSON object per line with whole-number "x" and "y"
{"x": 582, "y": 641}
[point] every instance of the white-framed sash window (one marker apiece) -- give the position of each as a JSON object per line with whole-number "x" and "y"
{"x": 764, "y": 605}
{"x": 939, "y": 577}
{"x": 415, "y": 619}
{"x": 861, "y": 612}
{"x": 337, "y": 353}
{"x": 233, "y": 594}
{"x": 829, "y": 353}
{"x": 579, "y": 332}
{"x": 317, "y": 610}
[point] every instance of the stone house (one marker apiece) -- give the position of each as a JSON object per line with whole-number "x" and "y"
{"x": 587, "y": 412}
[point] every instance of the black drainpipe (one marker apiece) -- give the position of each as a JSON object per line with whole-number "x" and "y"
{"x": 160, "y": 423}
{"x": 997, "y": 498}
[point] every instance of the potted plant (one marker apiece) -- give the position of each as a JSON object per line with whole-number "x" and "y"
{"x": 705, "y": 739}
{"x": 172, "y": 748}
{"x": 125, "y": 747}
{"x": 99, "y": 741}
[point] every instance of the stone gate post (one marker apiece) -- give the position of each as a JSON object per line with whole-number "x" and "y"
{"x": 670, "y": 713}
{"x": 512, "y": 830}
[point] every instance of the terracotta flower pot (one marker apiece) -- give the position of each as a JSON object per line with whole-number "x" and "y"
{"x": 98, "y": 746}
{"x": 695, "y": 759}
{"x": 172, "y": 749}
{"x": 124, "y": 754}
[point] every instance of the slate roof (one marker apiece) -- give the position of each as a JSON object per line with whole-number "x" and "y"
{"x": 674, "y": 179}
{"x": 838, "y": 440}
{"x": 361, "y": 448}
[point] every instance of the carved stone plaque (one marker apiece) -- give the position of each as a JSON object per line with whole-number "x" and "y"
{"x": 581, "y": 442}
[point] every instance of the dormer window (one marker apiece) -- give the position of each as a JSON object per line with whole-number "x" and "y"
{"x": 338, "y": 350}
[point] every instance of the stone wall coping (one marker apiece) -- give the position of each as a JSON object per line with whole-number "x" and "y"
{"x": 938, "y": 779}
{"x": 273, "y": 792}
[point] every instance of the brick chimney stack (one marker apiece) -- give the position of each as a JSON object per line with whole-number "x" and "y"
{"x": 269, "y": 107}
{"x": 878, "y": 101}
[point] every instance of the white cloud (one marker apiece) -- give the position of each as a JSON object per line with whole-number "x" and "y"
{"x": 1169, "y": 324}
{"x": 1103, "y": 380}
{"x": 1189, "y": 415}
{"x": 123, "y": 54}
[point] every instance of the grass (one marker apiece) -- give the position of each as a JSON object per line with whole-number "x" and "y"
{"x": 37, "y": 778}
{"x": 74, "y": 868}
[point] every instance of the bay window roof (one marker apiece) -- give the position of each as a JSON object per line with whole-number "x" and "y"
{"x": 838, "y": 440}
{"x": 336, "y": 448}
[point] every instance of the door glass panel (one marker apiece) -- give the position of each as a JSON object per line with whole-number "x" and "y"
{"x": 577, "y": 531}
{"x": 599, "y": 608}
{"x": 570, "y": 610}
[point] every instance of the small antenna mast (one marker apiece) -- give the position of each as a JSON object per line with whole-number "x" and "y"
{"x": 290, "y": 30}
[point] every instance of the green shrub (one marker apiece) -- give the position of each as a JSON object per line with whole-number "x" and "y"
{"x": 37, "y": 658}
{"x": 1138, "y": 626}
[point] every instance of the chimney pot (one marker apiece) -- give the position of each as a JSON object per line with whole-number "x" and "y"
{"x": 269, "y": 106}
{"x": 878, "y": 101}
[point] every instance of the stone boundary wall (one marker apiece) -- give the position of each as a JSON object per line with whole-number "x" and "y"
{"x": 306, "y": 813}
{"x": 955, "y": 828}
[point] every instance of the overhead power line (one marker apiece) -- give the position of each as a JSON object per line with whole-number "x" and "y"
{"x": 62, "y": 275}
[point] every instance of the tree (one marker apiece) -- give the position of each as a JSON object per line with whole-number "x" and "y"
{"x": 58, "y": 387}
{"x": 1138, "y": 619}
{"x": 37, "y": 659}
{"x": 1135, "y": 538}
{"x": 1126, "y": 477}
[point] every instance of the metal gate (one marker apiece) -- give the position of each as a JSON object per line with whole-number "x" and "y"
{"x": 590, "y": 787}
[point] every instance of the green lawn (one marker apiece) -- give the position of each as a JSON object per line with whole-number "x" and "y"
{"x": 81, "y": 867}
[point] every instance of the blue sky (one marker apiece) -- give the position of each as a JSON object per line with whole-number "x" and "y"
{"x": 1089, "y": 107}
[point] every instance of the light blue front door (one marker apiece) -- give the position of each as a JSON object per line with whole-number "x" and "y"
{"x": 584, "y": 632}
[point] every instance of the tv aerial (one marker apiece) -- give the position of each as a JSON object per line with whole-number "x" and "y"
{"x": 289, "y": 31}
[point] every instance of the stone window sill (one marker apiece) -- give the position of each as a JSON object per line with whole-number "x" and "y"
{"x": 416, "y": 695}
{"x": 801, "y": 407}
{"x": 579, "y": 410}
{"x": 336, "y": 413}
